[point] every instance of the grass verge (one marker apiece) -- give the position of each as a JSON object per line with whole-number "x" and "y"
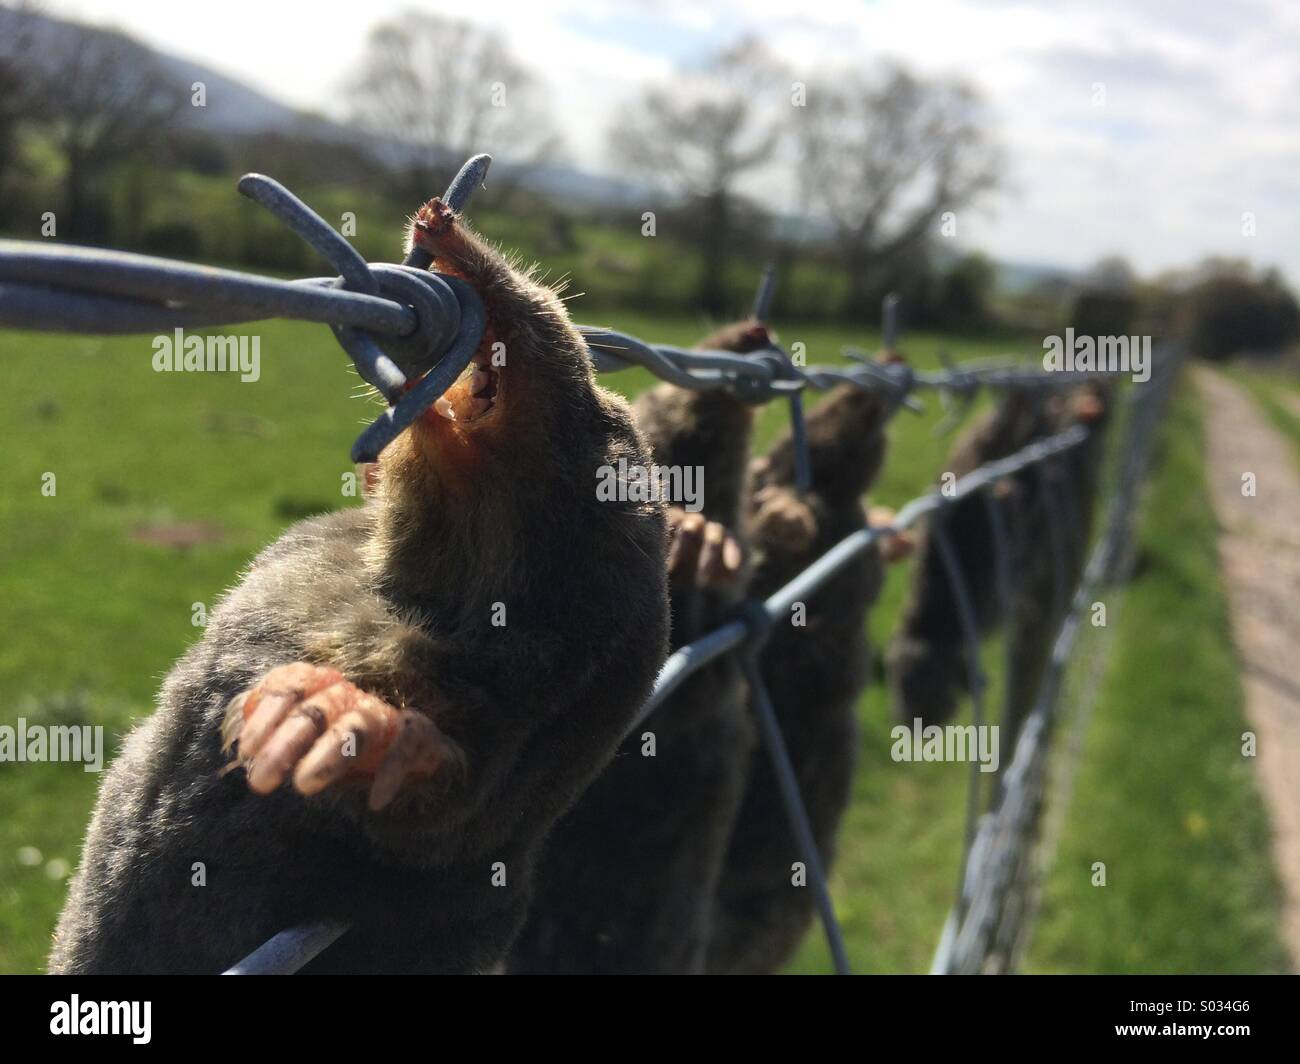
{"x": 1163, "y": 796}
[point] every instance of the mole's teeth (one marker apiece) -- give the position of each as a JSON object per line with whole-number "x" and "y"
{"x": 443, "y": 406}
{"x": 480, "y": 382}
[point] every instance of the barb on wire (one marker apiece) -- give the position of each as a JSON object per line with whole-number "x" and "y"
{"x": 783, "y": 370}
{"x": 374, "y": 366}
{"x": 471, "y": 177}
{"x": 889, "y": 323}
{"x": 890, "y": 373}
{"x": 896, "y": 380}
{"x": 762, "y": 308}
{"x": 398, "y": 323}
{"x": 957, "y": 400}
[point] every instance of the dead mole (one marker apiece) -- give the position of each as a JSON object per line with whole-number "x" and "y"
{"x": 396, "y": 703}
{"x": 814, "y": 664}
{"x": 927, "y": 661}
{"x": 627, "y": 881}
{"x": 1045, "y": 584}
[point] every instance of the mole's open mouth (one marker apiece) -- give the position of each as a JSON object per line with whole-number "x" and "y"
{"x": 472, "y": 395}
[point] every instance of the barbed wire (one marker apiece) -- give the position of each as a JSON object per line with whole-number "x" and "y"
{"x": 411, "y": 332}
{"x": 398, "y": 323}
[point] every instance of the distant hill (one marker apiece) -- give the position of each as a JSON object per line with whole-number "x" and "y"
{"x": 1017, "y": 277}
{"x": 232, "y": 107}
{"x": 236, "y": 109}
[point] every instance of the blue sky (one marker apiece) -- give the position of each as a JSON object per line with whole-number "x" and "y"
{"x": 1199, "y": 121}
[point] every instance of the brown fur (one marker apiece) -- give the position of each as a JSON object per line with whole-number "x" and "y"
{"x": 628, "y": 878}
{"x": 926, "y": 660}
{"x": 399, "y": 596}
{"x": 1036, "y": 609}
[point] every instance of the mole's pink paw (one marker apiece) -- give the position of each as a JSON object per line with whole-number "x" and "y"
{"x": 895, "y": 546}
{"x": 781, "y": 517}
{"x": 702, "y": 551}
{"x": 307, "y": 723}
{"x": 1088, "y": 407}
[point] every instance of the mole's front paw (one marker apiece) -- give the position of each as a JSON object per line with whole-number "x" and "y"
{"x": 308, "y": 723}
{"x": 893, "y": 546}
{"x": 702, "y": 552}
{"x": 781, "y": 517}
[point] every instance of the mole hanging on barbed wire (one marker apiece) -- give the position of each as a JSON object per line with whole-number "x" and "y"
{"x": 404, "y": 324}
{"x": 814, "y": 664}
{"x": 386, "y": 716}
{"x": 925, "y": 660}
{"x": 628, "y": 878}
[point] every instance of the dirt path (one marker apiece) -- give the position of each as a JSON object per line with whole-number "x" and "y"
{"x": 1259, "y": 551}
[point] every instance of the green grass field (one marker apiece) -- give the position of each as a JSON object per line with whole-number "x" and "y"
{"x": 95, "y": 607}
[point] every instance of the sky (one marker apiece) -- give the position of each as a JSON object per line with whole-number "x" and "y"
{"x": 1146, "y": 129}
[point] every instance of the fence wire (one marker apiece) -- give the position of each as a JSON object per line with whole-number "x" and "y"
{"x": 410, "y": 333}
{"x": 988, "y": 926}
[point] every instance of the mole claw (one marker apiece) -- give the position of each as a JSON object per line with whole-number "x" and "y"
{"x": 417, "y": 749}
{"x": 346, "y": 748}
{"x": 233, "y": 721}
{"x": 270, "y": 702}
{"x": 721, "y": 557}
{"x": 688, "y": 539}
{"x": 732, "y": 555}
{"x": 273, "y": 764}
{"x": 784, "y": 519}
{"x": 896, "y": 547}
{"x": 308, "y": 724}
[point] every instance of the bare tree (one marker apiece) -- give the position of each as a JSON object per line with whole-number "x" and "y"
{"x": 14, "y": 82}
{"x": 436, "y": 90}
{"x": 698, "y": 136}
{"x": 101, "y": 98}
{"x": 883, "y": 158}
